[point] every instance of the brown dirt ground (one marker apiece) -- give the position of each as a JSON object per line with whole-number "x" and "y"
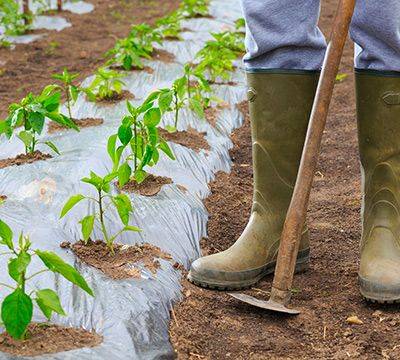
{"x": 80, "y": 48}
{"x": 121, "y": 264}
{"x": 211, "y": 325}
{"x": 49, "y": 339}
{"x": 81, "y": 123}
{"x": 190, "y": 138}
{"x": 24, "y": 159}
{"x": 149, "y": 187}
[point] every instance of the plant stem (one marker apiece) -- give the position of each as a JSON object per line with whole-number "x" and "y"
{"x": 59, "y": 5}
{"x": 176, "y": 109}
{"x": 68, "y": 102}
{"x": 188, "y": 85}
{"x": 26, "y": 12}
{"x": 36, "y": 273}
{"x": 103, "y": 226}
{"x": 135, "y": 134}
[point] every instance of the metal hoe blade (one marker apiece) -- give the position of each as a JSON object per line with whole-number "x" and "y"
{"x": 267, "y": 305}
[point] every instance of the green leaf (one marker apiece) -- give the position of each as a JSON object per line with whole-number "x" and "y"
{"x": 16, "y": 313}
{"x": 140, "y": 175}
{"x": 54, "y": 263}
{"x": 26, "y": 138}
{"x": 48, "y": 302}
{"x": 6, "y": 235}
{"x": 132, "y": 228}
{"x": 163, "y": 146}
{"x": 195, "y": 105}
{"x": 124, "y": 174}
{"x": 87, "y": 226}
{"x": 125, "y": 134}
{"x": 124, "y": 207}
{"x": 164, "y": 101}
{"x": 152, "y": 117}
{"x": 112, "y": 140}
{"x": 18, "y": 265}
{"x": 37, "y": 121}
{"x": 171, "y": 129}
{"x": 72, "y": 201}
{"x": 52, "y": 147}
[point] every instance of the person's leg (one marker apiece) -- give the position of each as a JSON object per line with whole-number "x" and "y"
{"x": 285, "y": 50}
{"x": 283, "y": 34}
{"x": 376, "y": 29}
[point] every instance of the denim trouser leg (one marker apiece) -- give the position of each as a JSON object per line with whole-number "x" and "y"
{"x": 284, "y": 34}
{"x": 376, "y": 31}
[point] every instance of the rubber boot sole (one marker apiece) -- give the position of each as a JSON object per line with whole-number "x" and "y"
{"x": 377, "y": 293}
{"x": 302, "y": 265}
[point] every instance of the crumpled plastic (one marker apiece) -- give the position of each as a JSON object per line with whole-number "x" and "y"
{"x": 132, "y": 315}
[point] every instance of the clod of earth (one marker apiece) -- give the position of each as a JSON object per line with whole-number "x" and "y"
{"x": 149, "y": 187}
{"x": 123, "y": 264}
{"x": 81, "y": 123}
{"x": 24, "y": 159}
{"x": 190, "y": 138}
{"x": 49, "y": 339}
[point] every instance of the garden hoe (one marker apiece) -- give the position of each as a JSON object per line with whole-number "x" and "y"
{"x": 296, "y": 215}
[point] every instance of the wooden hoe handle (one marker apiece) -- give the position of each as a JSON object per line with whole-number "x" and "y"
{"x": 296, "y": 215}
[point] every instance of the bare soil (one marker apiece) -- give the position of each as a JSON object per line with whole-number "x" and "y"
{"x": 149, "y": 187}
{"x": 211, "y": 325}
{"x": 49, "y": 339}
{"x": 211, "y": 114}
{"x": 24, "y": 159}
{"x": 81, "y": 123}
{"x": 190, "y": 138}
{"x": 80, "y": 48}
{"x": 123, "y": 264}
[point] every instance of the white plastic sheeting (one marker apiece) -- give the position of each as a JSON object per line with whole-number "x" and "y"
{"x": 132, "y": 315}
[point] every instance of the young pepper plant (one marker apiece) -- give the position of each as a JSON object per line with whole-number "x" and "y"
{"x": 105, "y": 86}
{"x": 31, "y": 114}
{"x": 70, "y": 90}
{"x": 138, "y": 132}
{"x": 17, "y": 307}
{"x": 102, "y": 202}
{"x": 14, "y": 21}
{"x": 170, "y": 26}
{"x": 194, "y": 8}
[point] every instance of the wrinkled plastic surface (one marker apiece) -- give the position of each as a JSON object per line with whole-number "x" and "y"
{"x": 57, "y": 23}
{"x": 132, "y": 315}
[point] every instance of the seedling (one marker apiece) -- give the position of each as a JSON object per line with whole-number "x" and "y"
{"x": 103, "y": 201}
{"x": 17, "y": 307}
{"x": 130, "y": 51}
{"x": 31, "y": 114}
{"x": 194, "y": 8}
{"x": 128, "y": 54}
{"x": 218, "y": 55}
{"x": 170, "y": 26}
{"x": 139, "y": 132}
{"x": 15, "y": 22}
{"x": 70, "y": 90}
{"x": 106, "y": 85}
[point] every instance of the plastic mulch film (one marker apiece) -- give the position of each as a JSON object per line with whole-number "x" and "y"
{"x": 132, "y": 315}
{"x": 57, "y": 23}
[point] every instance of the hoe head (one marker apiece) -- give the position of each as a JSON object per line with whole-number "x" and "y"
{"x": 267, "y": 305}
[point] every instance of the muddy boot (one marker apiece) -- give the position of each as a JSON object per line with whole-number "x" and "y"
{"x": 378, "y": 110}
{"x": 280, "y": 106}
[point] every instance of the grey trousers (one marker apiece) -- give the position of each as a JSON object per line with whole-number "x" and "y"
{"x": 284, "y": 34}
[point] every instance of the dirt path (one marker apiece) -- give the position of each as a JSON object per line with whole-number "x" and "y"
{"x": 210, "y": 325}
{"x": 80, "y": 48}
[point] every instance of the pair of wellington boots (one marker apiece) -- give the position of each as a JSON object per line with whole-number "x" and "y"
{"x": 280, "y": 106}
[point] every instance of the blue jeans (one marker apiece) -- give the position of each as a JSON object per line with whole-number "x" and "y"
{"x": 284, "y": 34}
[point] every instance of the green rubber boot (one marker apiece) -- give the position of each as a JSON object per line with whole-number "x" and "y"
{"x": 280, "y": 106}
{"x": 378, "y": 110}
